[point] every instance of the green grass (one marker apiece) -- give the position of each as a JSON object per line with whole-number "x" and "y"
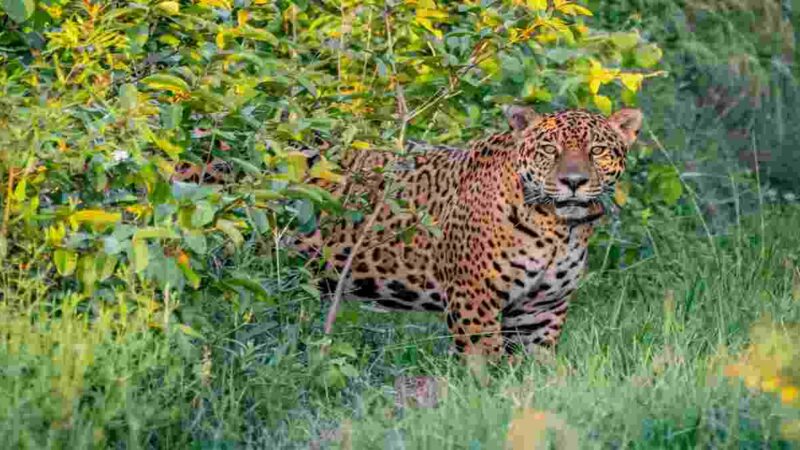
{"x": 639, "y": 365}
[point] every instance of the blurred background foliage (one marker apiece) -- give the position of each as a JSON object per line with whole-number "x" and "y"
{"x": 154, "y": 155}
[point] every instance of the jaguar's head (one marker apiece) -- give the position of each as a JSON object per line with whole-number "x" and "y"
{"x": 571, "y": 158}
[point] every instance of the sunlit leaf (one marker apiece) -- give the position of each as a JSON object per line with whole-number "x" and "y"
{"x": 625, "y": 41}
{"x": 141, "y": 255}
{"x": 572, "y": 9}
{"x": 96, "y": 217}
{"x": 603, "y": 103}
{"x": 65, "y": 261}
{"x": 171, "y": 8}
{"x": 648, "y": 56}
{"x": 128, "y": 96}
{"x": 324, "y": 170}
{"x": 19, "y": 10}
{"x": 224, "y": 4}
{"x": 632, "y": 81}
{"x": 166, "y": 82}
{"x": 229, "y": 228}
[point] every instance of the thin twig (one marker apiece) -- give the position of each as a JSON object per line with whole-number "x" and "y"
{"x": 692, "y": 194}
{"x": 337, "y": 296}
{"x": 9, "y": 191}
{"x": 402, "y": 107}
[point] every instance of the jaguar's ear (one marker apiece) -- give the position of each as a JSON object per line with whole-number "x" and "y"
{"x": 520, "y": 117}
{"x": 626, "y": 122}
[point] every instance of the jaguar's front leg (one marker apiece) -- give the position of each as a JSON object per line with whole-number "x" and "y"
{"x": 534, "y": 326}
{"x": 474, "y": 322}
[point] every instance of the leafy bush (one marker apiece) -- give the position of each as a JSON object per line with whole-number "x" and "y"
{"x": 153, "y": 154}
{"x": 150, "y": 140}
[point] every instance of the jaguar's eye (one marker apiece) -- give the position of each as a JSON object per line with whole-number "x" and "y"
{"x": 549, "y": 149}
{"x": 597, "y": 150}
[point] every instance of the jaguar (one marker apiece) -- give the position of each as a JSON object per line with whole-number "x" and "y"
{"x": 511, "y": 214}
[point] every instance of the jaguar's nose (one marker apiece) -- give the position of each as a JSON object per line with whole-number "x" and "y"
{"x": 573, "y": 180}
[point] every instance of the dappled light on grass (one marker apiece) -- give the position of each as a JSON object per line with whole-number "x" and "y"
{"x": 771, "y": 364}
{"x": 531, "y": 429}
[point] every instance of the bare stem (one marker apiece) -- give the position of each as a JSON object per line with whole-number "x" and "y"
{"x": 337, "y": 296}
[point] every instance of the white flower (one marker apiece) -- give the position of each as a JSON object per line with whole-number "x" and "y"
{"x": 120, "y": 155}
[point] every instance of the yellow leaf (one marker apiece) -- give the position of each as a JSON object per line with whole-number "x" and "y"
{"x": 599, "y": 75}
{"x": 296, "y": 166}
{"x": 621, "y": 193}
{"x": 536, "y": 5}
{"x": 572, "y": 9}
{"x": 241, "y": 17}
{"x": 170, "y": 8}
{"x": 547, "y": 37}
{"x": 632, "y": 81}
{"x": 172, "y": 150}
{"x": 95, "y": 217}
{"x": 551, "y": 22}
{"x": 431, "y": 13}
{"x": 603, "y": 103}
{"x": 220, "y": 40}
{"x": 324, "y": 171}
{"x": 360, "y": 145}
{"x": 224, "y": 4}
{"x": 428, "y": 25}
{"x": 789, "y": 394}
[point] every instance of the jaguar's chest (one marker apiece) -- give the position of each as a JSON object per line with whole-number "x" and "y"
{"x": 550, "y": 272}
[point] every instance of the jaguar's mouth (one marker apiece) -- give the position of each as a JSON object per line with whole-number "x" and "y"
{"x": 579, "y": 211}
{"x": 572, "y": 203}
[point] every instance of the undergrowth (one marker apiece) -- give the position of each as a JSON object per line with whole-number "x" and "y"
{"x": 641, "y": 363}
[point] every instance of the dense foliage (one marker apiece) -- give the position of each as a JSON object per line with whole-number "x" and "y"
{"x": 154, "y": 154}
{"x": 150, "y": 140}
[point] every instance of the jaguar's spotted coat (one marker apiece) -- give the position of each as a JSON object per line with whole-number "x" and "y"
{"x": 515, "y": 212}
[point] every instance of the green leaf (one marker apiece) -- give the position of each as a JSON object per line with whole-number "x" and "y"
{"x": 105, "y": 265}
{"x": 87, "y": 273}
{"x": 66, "y": 261}
{"x": 155, "y": 232}
{"x": 252, "y": 286}
{"x": 259, "y": 34}
{"x": 189, "y": 331}
{"x": 128, "y": 96}
{"x": 229, "y": 228}
{"x": 670, "y": 189}
{"x": 344, "y": 349}
{"x": 625, "y": 41}
{"x": 171, "y": 116}
{"x": 259, "y": 219}
{"x": 3, "y": 248}
{"x": 203, "y": 214}
{"x": 196, "y": 241}
{"x": 141, "y": 255}
{"x": 191, "y": 276}
{"x": 333, "y": 378}
{"x": 349, "y": 370}
{"x": 648, "y": 55}
{"x": 19, "y": 10}
{"x": 248, "y": 167}
{"x": 19, "y": 191}
{"x": 166, "y": 82}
